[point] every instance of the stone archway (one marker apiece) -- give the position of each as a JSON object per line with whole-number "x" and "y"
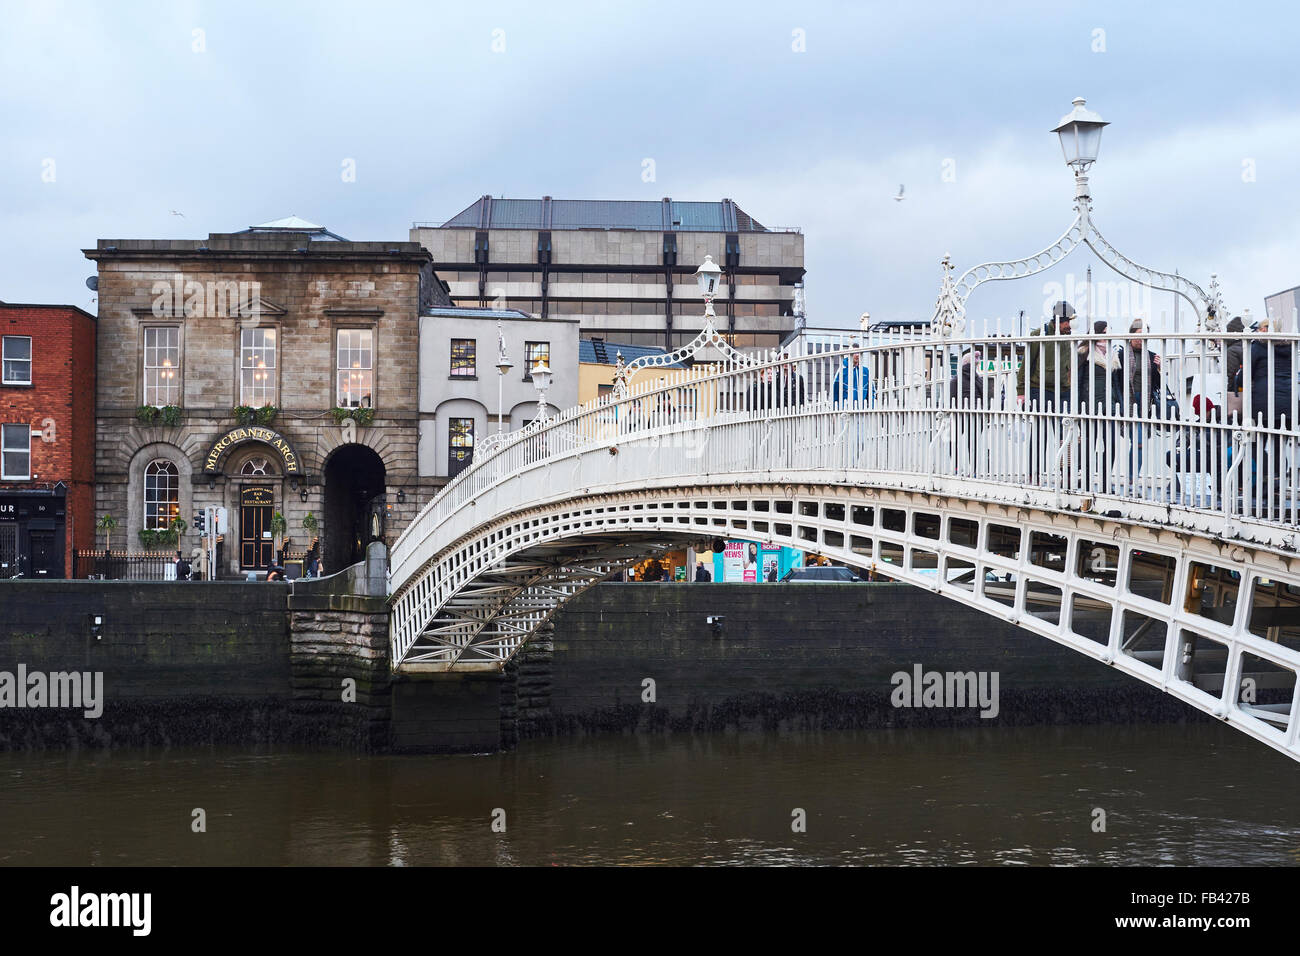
{"x": 255, "y": 490}
{"x": 354, "y": 477}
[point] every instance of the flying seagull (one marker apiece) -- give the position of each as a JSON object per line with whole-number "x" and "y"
{"x": 175, "y": 213}
{"x": 900, "y": 197}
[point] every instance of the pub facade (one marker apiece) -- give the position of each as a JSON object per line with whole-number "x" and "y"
{"x": 270, "y": 372}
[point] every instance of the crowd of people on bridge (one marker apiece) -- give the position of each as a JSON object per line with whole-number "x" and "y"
{"x": 1120, "y": 394}
{"x": 1116, "y": 393}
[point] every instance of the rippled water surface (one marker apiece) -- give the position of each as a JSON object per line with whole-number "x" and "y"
{"x": 1021, "y": 796}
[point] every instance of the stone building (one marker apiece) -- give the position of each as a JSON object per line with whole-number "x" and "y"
{"x": 47, "y": 438}
{"x": 271, "y": 372}
{"x": 460, "y": 403}
{"x": 624, "y": 269}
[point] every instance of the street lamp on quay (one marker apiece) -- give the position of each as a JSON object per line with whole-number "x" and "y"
{"x": 504, "y": 365}
{"x": 1080, "y": 135}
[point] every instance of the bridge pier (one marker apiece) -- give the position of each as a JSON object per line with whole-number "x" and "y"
{"x": 340, "y": 686}
{"x": 448, "y": 713}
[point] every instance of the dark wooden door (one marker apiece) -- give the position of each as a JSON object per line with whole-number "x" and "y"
{"x": 42, "y": 555}
{"x": 256, "y": 545}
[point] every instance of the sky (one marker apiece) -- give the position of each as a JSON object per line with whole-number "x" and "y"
{"x": 176, "y": 120}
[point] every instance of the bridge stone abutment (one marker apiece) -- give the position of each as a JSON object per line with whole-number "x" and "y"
{"x": 343, "y": 688}
{"x": 449, "y": 713}
{"x": 339, "y": 664}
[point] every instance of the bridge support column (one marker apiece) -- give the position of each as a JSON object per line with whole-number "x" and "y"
{"x": 447, "y": 713}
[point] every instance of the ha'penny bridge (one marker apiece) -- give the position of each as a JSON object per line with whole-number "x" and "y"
{"x": 1155, "y": 534}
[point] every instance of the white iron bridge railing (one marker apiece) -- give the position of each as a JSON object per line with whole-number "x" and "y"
{"x": 1188, "y": 430}
{"x": 1189, "y": 420}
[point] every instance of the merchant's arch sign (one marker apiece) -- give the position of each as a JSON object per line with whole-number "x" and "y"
{"x": 283, "y": 448}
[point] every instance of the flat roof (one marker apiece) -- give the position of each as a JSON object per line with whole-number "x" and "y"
{"x": 665, "y": 215}
{"x": 46, "y": 305}
{"x": 476, "y": 312}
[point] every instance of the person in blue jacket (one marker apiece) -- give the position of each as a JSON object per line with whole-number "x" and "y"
{"x": 851, "y": 382}
{"x": 851, "y": 390}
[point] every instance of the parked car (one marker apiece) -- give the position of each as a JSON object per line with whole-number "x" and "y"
{"x": 819, "y": 574}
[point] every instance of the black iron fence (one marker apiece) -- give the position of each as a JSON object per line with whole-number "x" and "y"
{"x": 125, "y": 565}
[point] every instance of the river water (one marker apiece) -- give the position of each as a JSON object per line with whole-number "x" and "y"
{"x": 1199, "y": 794}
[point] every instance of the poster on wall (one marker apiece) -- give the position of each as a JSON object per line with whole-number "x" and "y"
{"x": 740, "y": 561}
{"x": 733, "y": 559}
{"x": 771, "y": 563}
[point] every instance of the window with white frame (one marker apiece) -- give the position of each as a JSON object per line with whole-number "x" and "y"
{"x": 15, "y": 452}
{"x": 257, "y": 357}
{"x": 17, "y": 360}
{"x": 162, "y": 494}
{"x": 356, "y": 367}
{"x": 162, "y": 359}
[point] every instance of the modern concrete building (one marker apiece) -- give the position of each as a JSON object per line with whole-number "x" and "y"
{"x": 623, "y": 268}
{"x": 271, "y": 371}
{"x": 461, "y": 390}
{"x": 1283, "y": 309}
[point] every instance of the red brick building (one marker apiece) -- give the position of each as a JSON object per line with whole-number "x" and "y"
{"x": 47, "y": 438}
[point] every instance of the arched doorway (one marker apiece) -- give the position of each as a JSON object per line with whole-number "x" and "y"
{"x": 257, "y": 495}
{"x": 354, "y": 485}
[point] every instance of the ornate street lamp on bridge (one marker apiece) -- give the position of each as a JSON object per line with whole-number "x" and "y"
{"x": 1080, "y": 135}
{"x": 541, "y": 381}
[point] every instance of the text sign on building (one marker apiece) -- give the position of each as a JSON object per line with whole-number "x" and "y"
{"x": 252, "y": 433}
{"x": 256, "y": 496}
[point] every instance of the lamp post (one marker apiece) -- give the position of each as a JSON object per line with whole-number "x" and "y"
{"x": 1080, "y": 135}
{"x": 504, "y": 365}
{"x": 541, "y": 381}
{"x": 709, "y": 276}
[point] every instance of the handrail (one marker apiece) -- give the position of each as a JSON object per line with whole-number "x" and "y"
{"x": 911, "y": 373}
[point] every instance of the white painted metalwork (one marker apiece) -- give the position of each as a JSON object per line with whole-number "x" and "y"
{"x": 1060, "y": 482}
{"x": 737, "y": 449}
{"x": 950, "y": 311}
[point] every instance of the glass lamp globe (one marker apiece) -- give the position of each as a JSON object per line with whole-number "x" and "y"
{"x": 1080, "y": 133}
{"x": 542, "y": 375}
{"x": 708, "y": 276}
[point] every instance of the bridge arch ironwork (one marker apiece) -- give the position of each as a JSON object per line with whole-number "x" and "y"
{"x": 553, "y": 509}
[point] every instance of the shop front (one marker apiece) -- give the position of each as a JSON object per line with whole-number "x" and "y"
{"x": 32, "y": 526}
